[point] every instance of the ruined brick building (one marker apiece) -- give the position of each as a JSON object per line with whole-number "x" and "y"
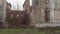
{"x": 16, "y": 18}
{"x": 44, "y": 11}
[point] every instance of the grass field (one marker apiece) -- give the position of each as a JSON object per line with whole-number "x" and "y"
{"x": 28, "y": 31}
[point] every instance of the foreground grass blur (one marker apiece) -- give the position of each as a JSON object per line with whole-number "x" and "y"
{"x": 28, "y": 31}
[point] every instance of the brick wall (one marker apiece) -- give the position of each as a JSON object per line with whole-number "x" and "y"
{"x": 17, "y": 18}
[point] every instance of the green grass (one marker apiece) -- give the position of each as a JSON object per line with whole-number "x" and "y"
{"x": 24, "y": 31}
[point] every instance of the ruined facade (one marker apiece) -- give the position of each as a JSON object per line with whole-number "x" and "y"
{"x": 44, "y": 11}
{"x": 17, "y": 18}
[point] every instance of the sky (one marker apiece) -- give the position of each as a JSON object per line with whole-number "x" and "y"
{"x": 14, "y": 4}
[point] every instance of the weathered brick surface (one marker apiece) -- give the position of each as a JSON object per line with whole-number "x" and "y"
{"x": 17, "y": 18}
